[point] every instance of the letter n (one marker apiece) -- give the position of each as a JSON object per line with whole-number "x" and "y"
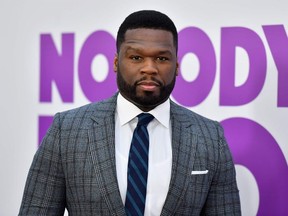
{"x": 56, "y": 67}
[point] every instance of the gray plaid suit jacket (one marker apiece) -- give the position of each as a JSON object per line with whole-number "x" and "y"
{"x": 74, "y": 167}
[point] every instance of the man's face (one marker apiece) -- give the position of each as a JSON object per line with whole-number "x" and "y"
{"x": 146, "y": 67}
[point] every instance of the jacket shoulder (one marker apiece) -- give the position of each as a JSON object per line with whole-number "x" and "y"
{"x": 201, "y": 125}
{"x": 83, "y": 116}
{"x": 185, "y": 114}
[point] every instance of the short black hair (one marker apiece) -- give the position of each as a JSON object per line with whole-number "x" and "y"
{"x": 149, "y": 19}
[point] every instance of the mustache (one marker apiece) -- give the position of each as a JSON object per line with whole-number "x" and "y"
{"x": 146, "y": 79}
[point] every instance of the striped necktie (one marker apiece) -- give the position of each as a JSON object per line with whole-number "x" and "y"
{"x": 138, "y": 167}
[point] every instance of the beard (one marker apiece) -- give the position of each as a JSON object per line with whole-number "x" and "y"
{"x": 148, "y": 100}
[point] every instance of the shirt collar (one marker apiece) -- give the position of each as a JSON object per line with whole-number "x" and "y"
{"x": 127, "y": 111}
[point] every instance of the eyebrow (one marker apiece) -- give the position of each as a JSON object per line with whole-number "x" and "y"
{"x": 136, "y": 49}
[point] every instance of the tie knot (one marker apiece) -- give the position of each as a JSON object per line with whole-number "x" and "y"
{"x": 144, "y": 119}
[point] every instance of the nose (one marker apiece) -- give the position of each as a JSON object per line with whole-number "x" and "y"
{"x": 149, "y": 66}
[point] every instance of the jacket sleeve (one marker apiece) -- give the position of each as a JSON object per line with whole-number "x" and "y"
{"x": 223, "y": 197}
{"x": 44, "y": 192}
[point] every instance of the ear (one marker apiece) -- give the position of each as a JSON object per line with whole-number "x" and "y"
{"x": 115, "y": 64}
{"x": 177, "y": 68}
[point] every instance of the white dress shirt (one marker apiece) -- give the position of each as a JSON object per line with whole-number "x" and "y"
{"x": 160, "y": 151}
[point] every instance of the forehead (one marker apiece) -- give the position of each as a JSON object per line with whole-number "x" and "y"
{"x": 148, "y": 38}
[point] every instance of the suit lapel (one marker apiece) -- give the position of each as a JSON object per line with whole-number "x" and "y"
{"x": 102, "y": 149}
{"x": 183, "y": 154}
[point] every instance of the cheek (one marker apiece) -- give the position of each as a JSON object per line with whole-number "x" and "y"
{"x": 168, "y": 76}
{"x": 126, "y": 72}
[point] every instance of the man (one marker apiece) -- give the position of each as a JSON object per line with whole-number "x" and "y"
{"x": 85, "y": 164}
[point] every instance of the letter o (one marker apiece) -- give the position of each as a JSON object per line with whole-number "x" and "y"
{"x": 194, "y": 40}
{"x": 99, "y": 42}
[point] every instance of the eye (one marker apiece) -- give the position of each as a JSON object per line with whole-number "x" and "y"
{"x": 135, "y": 58}
{"x": 161, "y": 58}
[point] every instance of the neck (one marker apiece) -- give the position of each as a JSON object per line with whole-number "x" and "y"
{"x": 145, "y": 108}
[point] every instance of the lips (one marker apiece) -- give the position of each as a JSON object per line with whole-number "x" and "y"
{"x": 148, "y": 85}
